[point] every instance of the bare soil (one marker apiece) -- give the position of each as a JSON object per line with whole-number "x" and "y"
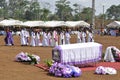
{"x": 11, "y": 70}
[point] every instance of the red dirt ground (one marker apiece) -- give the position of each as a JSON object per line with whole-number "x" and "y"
{"x": 11, "y": 70}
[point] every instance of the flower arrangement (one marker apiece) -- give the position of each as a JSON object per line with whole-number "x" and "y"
{"x": 105, "y": 70}
{"x": 26, "y": 57}
{"x": 49, "y": 62}
{"x": 67, "y": 71}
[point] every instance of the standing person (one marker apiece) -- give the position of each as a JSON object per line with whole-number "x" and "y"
{"x": 27, "y": 35}
{"x": 32, "y": 43}
{"x": 55, "y": 38}
{"x": 67, "y": 37}
{"x": 45, "y": 39}
{"x": 9, "y": 38}
{"x": 24, "y": 35}
{"x": 79, "y": 37}
{"x": 37, "y": 38}
{"x": 62, "y": 38}
{"x": 49, "y": 38}
{"x": 84, "y": 36}
{"x": 90, "y": 36}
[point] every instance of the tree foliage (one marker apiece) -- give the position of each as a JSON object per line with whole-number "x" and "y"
{"x": 86, "y": 14}
{"x": 33, "y": 10}
{"x": 113, "y": 12}
{"x": 63, "y": 10}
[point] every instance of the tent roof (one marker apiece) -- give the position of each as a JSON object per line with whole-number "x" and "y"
{"x": 33, "y": 23}
{"x": 54, "y": 23}
{"x": 10, "y": 22}
{"x": 114, "y": 24}
{"x": 77, "y": 23}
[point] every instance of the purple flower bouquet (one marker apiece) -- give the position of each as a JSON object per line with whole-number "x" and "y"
{"x": 66, "y": 71}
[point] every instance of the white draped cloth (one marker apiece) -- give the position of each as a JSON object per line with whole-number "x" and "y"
{"x": 79, "y": 53}
{"x": 108, "y": 54}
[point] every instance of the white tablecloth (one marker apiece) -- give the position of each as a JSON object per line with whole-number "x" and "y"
{"x": 79, "y": 53}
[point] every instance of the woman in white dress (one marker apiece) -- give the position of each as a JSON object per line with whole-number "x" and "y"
{"x": 49, "y": 38}
{"x": 67, "y": 38}
{"x": 32, "y": 43}
{"x": 62, "y": 38}
{"x": 54, "y": 38}
{"x": 45, "y": 39}
{"x": 79, "y": 37}
{"x": 84, "y": 36}
{"x": 90, "y": 36}
{"x": 24, "y": 37}
{"x": 37, "y": 39}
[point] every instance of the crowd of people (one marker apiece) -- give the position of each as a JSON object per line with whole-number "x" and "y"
{"x": 35, "y": 37}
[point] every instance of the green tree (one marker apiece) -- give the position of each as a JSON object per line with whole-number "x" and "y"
{"x": 86, "y": 14}
{"x": 33, "y": 10}
{"x": 17, "y": 8}
{"x": 113, "y": 12}
{"x": 63, "y": 10}
{"x": 3, "y": 9}
{"x": 45, "y": 14}
{"x": 77, "y": 11}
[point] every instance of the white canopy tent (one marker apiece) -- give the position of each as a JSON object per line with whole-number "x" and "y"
{"x": 78, "y": 24}
{"x": 10, "y": 22}
{"x": 83, "y": 24}
{"x": 33, "y": 23}
{"x": 67, "y": 24}
{"x": 114, "y": 24}
{"x": 55, "y": 24}
{"x": 72, "y": 23}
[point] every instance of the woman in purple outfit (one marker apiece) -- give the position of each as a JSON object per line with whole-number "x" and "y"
{"x": 9, "y": 38}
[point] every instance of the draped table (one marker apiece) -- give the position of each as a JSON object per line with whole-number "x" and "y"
{"x": 79, "y": 53}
